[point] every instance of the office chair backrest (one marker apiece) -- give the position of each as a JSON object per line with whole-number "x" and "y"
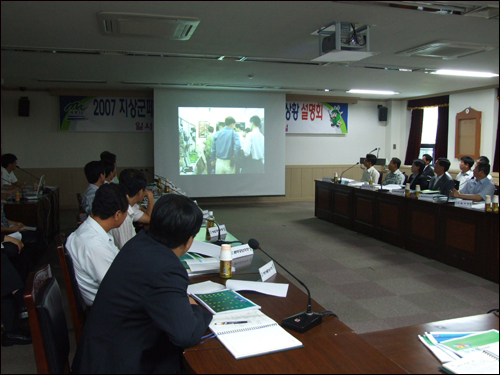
{"x": 77, "y": 307}
{"x": 49, "y": 330}
{"x": 406, "y": 178}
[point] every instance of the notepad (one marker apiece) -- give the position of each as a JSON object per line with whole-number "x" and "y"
{"x": 481, "y": 362}
{"x": 260, "y": 335}
{"x": 225, "y": 301}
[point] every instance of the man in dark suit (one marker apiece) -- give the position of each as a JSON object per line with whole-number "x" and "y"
{"x": 142, "y": 317}
{"x": 428, "y": 171}
{"x": 442, "y": 181}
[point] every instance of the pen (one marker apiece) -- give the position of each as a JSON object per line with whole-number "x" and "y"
{"x": 238, "y": 322}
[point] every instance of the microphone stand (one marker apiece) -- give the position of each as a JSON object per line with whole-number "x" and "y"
{"x": 304, "y": 321}
{"x": 18, "y": 167}
{"x": 340, "y": 179}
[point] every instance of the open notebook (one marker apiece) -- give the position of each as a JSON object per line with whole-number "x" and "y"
{"x": 259, "y": 335}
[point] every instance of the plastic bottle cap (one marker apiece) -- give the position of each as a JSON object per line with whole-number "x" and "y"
{"x": 495, "y": 199}
{"x": 417, "y": 187}
{"x": 488, "y": 199}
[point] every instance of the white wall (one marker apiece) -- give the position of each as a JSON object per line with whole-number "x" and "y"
{"x": 365, "y": 133}
{"x": 484, "y": 101}
{"x": 38, "y": 143}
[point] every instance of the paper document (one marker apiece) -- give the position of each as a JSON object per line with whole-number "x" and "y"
{"x": 392, "y": 187}
{"x": 272, "y": 289}
{"x": 205, "y": 248}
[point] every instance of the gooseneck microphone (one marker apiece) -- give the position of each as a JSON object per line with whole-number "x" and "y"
{"x": 18, "y": 167}
{"x": 352, "y": 166}
{"x": 304, "y": 321}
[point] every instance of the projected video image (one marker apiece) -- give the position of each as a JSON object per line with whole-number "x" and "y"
{"x": 221, "y": 140}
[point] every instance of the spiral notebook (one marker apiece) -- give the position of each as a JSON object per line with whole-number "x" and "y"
{"x": 257, "y": 336}
{"x": 481, "y": 362}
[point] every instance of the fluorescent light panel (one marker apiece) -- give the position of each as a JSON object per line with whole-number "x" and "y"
{"x": 374, "y": 92}
{"x": 465, "y": 73}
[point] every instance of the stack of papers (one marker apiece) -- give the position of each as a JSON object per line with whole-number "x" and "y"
{"x": 452, "y": 348}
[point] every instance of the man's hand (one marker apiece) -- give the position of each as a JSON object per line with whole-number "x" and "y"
{"x": 455, "y": 193}
{"x": 15, "y": 241}
{"x": 18, "y": 227}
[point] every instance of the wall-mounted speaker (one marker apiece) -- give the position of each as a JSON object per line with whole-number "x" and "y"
{"x": 382, "y": 113}
{"x": 24, "y": 107}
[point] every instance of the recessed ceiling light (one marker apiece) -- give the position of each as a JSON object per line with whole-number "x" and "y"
{"x": 374, "y": 92}
{"x": 464, "y": 73}
{"x": 327, "y": 90}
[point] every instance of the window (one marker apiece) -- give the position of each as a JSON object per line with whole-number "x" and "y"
{"x": 429, "y": 131}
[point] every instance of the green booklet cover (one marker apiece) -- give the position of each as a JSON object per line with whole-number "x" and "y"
{"x": 225, "y": 301}
{"x": 471, "y": 343}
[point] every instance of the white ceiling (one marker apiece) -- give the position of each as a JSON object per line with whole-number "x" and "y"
{"x": 279, "y": 31}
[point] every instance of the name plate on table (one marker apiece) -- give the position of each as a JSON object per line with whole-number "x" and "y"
{"x": 241, "y": 251}
{"x": 267, "y": 271}
{"x": 214, "y": 233}
{"x": 427, "y": 197}
{"x": 370, "y": 187}
{"x": 463, "y": 204}
{"x": 400, "y": 192}
{"x": 327, "y": 179}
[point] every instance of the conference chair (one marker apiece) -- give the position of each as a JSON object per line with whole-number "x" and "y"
{"x": 381, "y": 178}
{"x": 406, "y": 178}
{"x": 77, "y": 307}
{"x": 82, "y": 215}
{"x": 49, "y": 330}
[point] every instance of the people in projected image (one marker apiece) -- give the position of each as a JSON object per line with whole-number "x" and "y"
{"x": 225, "y": 146}
{"x": 240, "y": 158}
{"x": 184, "y": 145}
{"x": 254, "y": 148}
{"x": 208, "y": 148}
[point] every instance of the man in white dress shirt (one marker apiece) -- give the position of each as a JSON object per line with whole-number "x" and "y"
{"x": 254, "y": 148}
{"x": 91, "y": 247}
{"x": 134, "y": 183}
{"x": 370, "y": 173}
{"x": 9, "y": 179}
{"x": 466, "y": 172}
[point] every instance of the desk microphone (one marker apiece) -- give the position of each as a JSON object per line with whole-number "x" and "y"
{"x": 219, "y": 241}
{"x": 18, "y": 167}
{"x": 304, "y": 321}
{"x": 340, "y": 179}
{"x": 375, "y": 149}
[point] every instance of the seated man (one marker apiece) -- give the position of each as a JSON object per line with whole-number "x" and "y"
{"x": 134, "y": 183}
{"x": 370, "y": 173}
{"x": 109, "y": 171}
{"x": 428, "y": 170}
{"x": 91, "y": 247}
{"x": 478, "y": 188}
{"x": 9, "y": 179}
{"x": 142, "y": 317}
{"x": 394, "y": 177}
{"x": 466, "y": 173}
{"x": 108, "y": 156}
{"x": 94, "y": 171}
{"x": 485, "y": 160}
{"x": 418, "y": 177}
{"x": 441, "y": 181}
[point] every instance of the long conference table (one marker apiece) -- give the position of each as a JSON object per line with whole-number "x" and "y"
{"x": 332, "y": 346}
{"x": 463, "y": 238}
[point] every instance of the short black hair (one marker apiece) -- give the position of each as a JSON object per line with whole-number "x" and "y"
{"x": 106, "y": 155}
{"x": 445, "y": 163}
{"x": 420, "y": 164}
{"x": 483, "y": 166}
{"x": 468, "y": 161}
{"x": 109, "y": 167}
{"x": 8, "y": 159}
{"x": 255, "y": 120}
{"x": 428, "y": 157}
{"x": 397, "y": 162}
{"x": 175, "y": 219}
{"x": 229, "y": 121}
{"x": 132, "y": 180}
{"x": 484, "y": 159}
{"x": 93, "y": 171}
{"x": 109, "y": 199}
{"x": 371, "y": 158}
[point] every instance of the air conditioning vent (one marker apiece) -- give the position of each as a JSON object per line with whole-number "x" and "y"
{"x": 131, "y": 24}
{"x": 446, "y": 50}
